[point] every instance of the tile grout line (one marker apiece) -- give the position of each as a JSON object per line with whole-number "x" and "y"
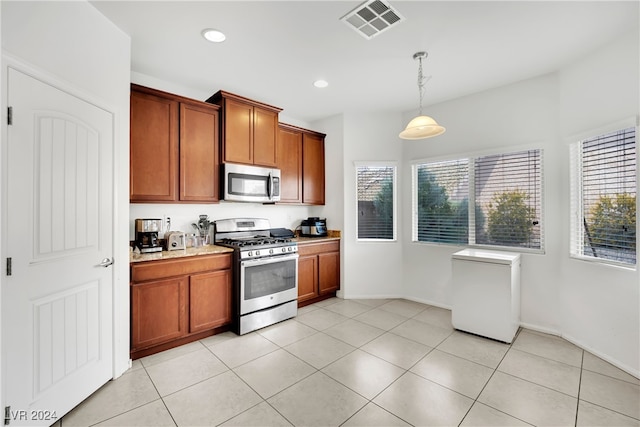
{"x": 487, "y": 383}
{"x": 579, "y": 388}
{"x": 368, "y": 401}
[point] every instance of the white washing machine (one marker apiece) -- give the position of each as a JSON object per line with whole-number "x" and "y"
{"x": 486, "y": 293}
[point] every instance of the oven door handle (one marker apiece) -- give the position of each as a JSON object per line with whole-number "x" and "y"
{"x": 268, "y": 260}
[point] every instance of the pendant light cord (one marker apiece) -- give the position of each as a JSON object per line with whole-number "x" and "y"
{"x": 421, "y": 78}
{"x": 420, "y": 83}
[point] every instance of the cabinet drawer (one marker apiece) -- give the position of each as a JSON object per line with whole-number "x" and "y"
{"x": 316, "y": 248}
{"x": 152, "y": 270}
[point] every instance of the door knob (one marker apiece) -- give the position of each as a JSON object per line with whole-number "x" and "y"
{"x": 105, "y": 263}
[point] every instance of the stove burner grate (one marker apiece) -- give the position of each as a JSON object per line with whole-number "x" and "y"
{"x": 253, "y": 241}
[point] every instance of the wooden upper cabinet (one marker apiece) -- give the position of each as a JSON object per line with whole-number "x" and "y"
{"x": 249, "y": 130}
{"x": 290, "y": 164}
{"x": 301, "y": 162}
{"x": 198, "y": 153}
{"x": 313, "y": 168}
{"x": 238, "y": 132}
{"x": 153, "y": 148}
{"x": 265, "y": 135}
{"x": 174, "y": 148}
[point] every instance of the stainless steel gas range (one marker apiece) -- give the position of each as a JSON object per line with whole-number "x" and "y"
{"x": 265, "y": 286}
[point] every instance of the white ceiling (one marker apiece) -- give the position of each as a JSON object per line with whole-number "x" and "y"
{"x": 275, "y": 50}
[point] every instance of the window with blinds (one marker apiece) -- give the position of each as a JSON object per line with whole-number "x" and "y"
{"x": 603, "y": 197}
{"x": 441, "y": 202}
{"x": 486, "y": 201}
{"x": 508, "y": 200}
{"x": 376, "y": 193}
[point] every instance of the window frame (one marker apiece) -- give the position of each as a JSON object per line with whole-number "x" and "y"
{"x": 378, "y": 164}
{"x": 471, "y": 158}
{"x": 576, "y": 195}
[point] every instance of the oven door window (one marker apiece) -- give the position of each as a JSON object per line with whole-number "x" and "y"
{"x": 261, "y": 280}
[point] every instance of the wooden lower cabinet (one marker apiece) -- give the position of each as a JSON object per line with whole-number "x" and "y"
{"x": 209, "y": 300}
{"x": 307, "y": 277}
{"x": 318, "y": 271}
{"x": 179, "y": 300}
{"x": 159, "y": 311}
{"x": 329, "y": 271}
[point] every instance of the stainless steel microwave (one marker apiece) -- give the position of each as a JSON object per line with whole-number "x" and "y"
{"x": 246, "y": 183}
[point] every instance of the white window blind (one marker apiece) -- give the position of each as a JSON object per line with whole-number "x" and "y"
{"x": 508, "y": 199}
{"x": 486, "y": 201}
{"x": 604, "y": 189}
{"x": 441, "y": 200}
{"x": 376, "y": 193}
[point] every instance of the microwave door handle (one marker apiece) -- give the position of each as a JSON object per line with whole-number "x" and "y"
{"x": 269, "y": 184}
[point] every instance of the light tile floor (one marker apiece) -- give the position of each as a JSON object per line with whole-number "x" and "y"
{"x": 367, "y": 363}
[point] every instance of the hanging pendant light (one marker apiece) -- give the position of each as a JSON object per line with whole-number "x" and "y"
{"x": 421, "y": 127}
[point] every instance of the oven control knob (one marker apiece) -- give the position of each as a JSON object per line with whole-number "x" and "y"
{"x": 257, "y": 253}
{"x": 284, "y": 249}
{"x": 270, "y": 251}
{"x": 250, "y": 254}
{"x": 289, "y": 249}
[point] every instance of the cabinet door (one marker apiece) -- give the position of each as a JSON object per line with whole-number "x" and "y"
{"x": 158, "y": 311}
{"x": 265, "y": 131}
{"x": 198, "y": 153}
{"x": 153, "y": 148}
{"x": 307, "y": 277}
{"x": 313, "y": 169}
{"x": 290, "y": 164}
{"x": 209, "y": 300}
{"x": 238, "y": 132}
{"x": 328, "y": 272}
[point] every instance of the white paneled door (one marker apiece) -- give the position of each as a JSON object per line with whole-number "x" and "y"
{"x": 57, "y": 301}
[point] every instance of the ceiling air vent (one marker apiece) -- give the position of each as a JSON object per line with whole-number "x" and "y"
{"x": 372, "y": 18}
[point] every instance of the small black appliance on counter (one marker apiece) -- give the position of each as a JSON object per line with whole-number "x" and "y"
{"x": 313, "y": 227}
{"x": 147, "y": 235}
{"x": 281, "y": 233}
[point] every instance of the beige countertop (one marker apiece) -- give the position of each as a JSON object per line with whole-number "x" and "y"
{"x": 331, "y": 235}
{"x": 302, "y": 240}
{"x": 181, "y": 253}
{"x": 215, "y": 249}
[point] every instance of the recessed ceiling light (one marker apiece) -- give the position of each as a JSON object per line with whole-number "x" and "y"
{"x": 320, "y": 83}
{"x": 212, "y": 35}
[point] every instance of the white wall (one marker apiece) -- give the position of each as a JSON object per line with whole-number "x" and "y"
{"x": 73, "y": 44}
{"x": 510, "y": 118}
{"x": 600, "y": 304}
{"x": 370, "y": 270}
{"x": 595, "y": 306}
{"x": 333, "y": 209}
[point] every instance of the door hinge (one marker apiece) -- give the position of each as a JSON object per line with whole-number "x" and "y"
{"x": 10, "y": 116}
{"x": 7, "y": 415}
{"x": 9, "y": 266}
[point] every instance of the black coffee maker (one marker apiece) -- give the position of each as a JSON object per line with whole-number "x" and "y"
{"x": 147, "y": 235}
